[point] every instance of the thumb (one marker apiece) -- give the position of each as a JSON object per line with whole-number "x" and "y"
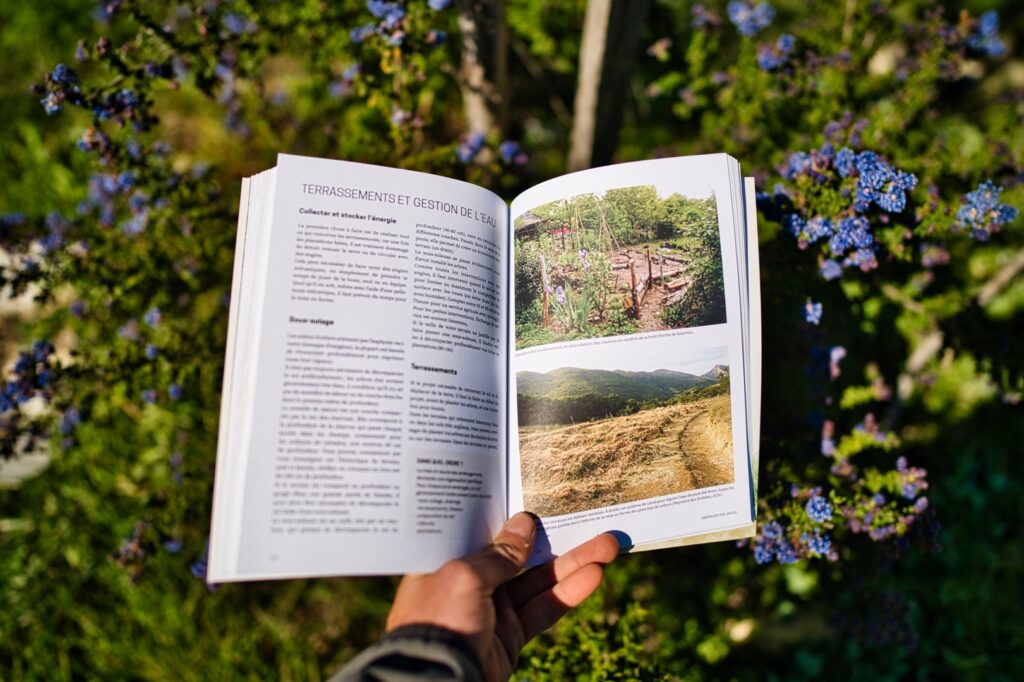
{"x": 502, "y": 560}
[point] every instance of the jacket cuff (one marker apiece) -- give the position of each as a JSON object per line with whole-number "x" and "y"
{"x": 415, "y": 652}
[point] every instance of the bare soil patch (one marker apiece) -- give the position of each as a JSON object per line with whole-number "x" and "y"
{"x": 656, "y": 452}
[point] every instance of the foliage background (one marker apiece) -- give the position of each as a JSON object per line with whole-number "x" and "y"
{"x": 98, "y": 554}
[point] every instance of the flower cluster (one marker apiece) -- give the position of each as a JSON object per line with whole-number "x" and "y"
{"x": 584, "y": 261}
{"x": 61, "y": 86}
{"x": 343, "y": 85}
{"x": 818, "y": 509}
{"x": 390, "y": 23}
{"x": 200, "y": 567}
{"x": 772, "y": 544}
{"x": 131, "y": 554}
{"x": 704, "y": 17}
{"x": 865, "y": 180}
{"x": 984, "y": 41}
{"x": 812, "y": 312}
{"x": 512, "y": 153}
{"x": 877, "y": 182}
{"x": 470, "y": 147}
{"x": 31, "y": 377}
{"x": 806, "y": 535}
{"x": 982, "y": 214}
{"x": 773, "y": 56}
{"x": 750, "y": 19}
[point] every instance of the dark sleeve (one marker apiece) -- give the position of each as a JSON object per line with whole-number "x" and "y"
{"x": 414, "y": 653}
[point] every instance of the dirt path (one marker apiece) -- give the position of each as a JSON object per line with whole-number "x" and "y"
{"x": 654, "y": 301}
{"x": 655, "y": 452}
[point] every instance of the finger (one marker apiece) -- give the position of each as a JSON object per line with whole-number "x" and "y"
{"x": 599, "y": 550}
{"x": 546, "y": 608}
{"x": 505, "y": 557}
{"x": 508, "y": 628}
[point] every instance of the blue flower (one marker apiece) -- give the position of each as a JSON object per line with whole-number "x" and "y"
{"x": 771, "y": 57}
{"x": 152, "y": 351}
{"x": 438, "y": 5}
{"x": 817, "y": 544}
{"x": 149, "y": 396}
{"x": 435, "y": 37}
{"x": 198, "y": 568}
{"x": 509, "y": 151}
{"x": 985, "y": 42}
{"x": 236, "y": 24}
{"x": 468, "y": 150}
{"x": 785, "y": 553}
{"x": 797, "y": 164}
{"x": 63, "y": 75}
{"x": 129, "y": 331}
{"x": 361, "y": 33}
{"x": 52, "y": 103}
{"x": 70, "y": 420}
{"x": 771, "y": 530}
{"x": 793, "y": 224}
{"x": 831, "y": 269}
{"x": 337, "y": 89}
{"x": 127, "y": 98}
{"x": 862, "y": 258}
{"x": 125, "y": 180}
{"x": 9, "y": 220}
{"x": 750, "y": 19}
{"x": 852, "y": 232}
{"x": 152, "y": 317}
{"x": 560, "y": 295}
{"x": 845, "y": 162}
{"x": 381, "y": 9}
{"x": 812, "y": 312}
{"x": 817, "y": 228}
{"x": 174, "y": 391}
{"x": 173, "y": 546}
{"x": 136, "y": 224}
{"x": 818, "y": 509}
{"x": 393, "y": 18}
{"x": 981, "y": 212}
{"x": 702, "y": 16}
{"x": 158, "y": 69}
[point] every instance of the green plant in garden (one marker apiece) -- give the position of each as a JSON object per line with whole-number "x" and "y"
{"x": 573, "y": 308}
{"x": 887, "y": 142}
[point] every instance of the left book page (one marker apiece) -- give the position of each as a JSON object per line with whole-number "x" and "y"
{"x": 363, "y": 424}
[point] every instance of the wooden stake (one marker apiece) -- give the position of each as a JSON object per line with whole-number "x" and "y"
{"x": 544, "y": 287}
{"x": 632, "y": 289}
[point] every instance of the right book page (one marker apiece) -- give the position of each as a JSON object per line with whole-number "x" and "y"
{"x": 631, "y": 369}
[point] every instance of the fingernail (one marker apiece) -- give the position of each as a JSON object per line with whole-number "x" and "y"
{"x": 523, "y": 525}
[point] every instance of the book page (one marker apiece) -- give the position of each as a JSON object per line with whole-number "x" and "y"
{"x": 630, "y": 369}
{"x": 377, "y": 424}
{"x": 753, "y": 269}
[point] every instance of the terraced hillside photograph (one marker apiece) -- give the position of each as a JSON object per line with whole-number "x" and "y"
{"x": 592, "y": 438}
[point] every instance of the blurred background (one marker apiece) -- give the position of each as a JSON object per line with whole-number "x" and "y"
{"x": 888, "y": 145}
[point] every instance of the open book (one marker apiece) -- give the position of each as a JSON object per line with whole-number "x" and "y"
{"x": 410, "y": 361}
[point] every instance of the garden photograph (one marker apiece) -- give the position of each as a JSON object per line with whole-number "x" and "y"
{"x": 621, "y": 262}
{"x": 886, "y": 142}
{"x": 592, "y": 438}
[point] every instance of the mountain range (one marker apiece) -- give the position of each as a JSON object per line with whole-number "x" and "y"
{"x": 571, "y": 382}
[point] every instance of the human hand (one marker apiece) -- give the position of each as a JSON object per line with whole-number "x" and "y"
{"x": 482, "y": 597}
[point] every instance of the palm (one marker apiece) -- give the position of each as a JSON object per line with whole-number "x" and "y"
{"x": 482, "y": 598}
